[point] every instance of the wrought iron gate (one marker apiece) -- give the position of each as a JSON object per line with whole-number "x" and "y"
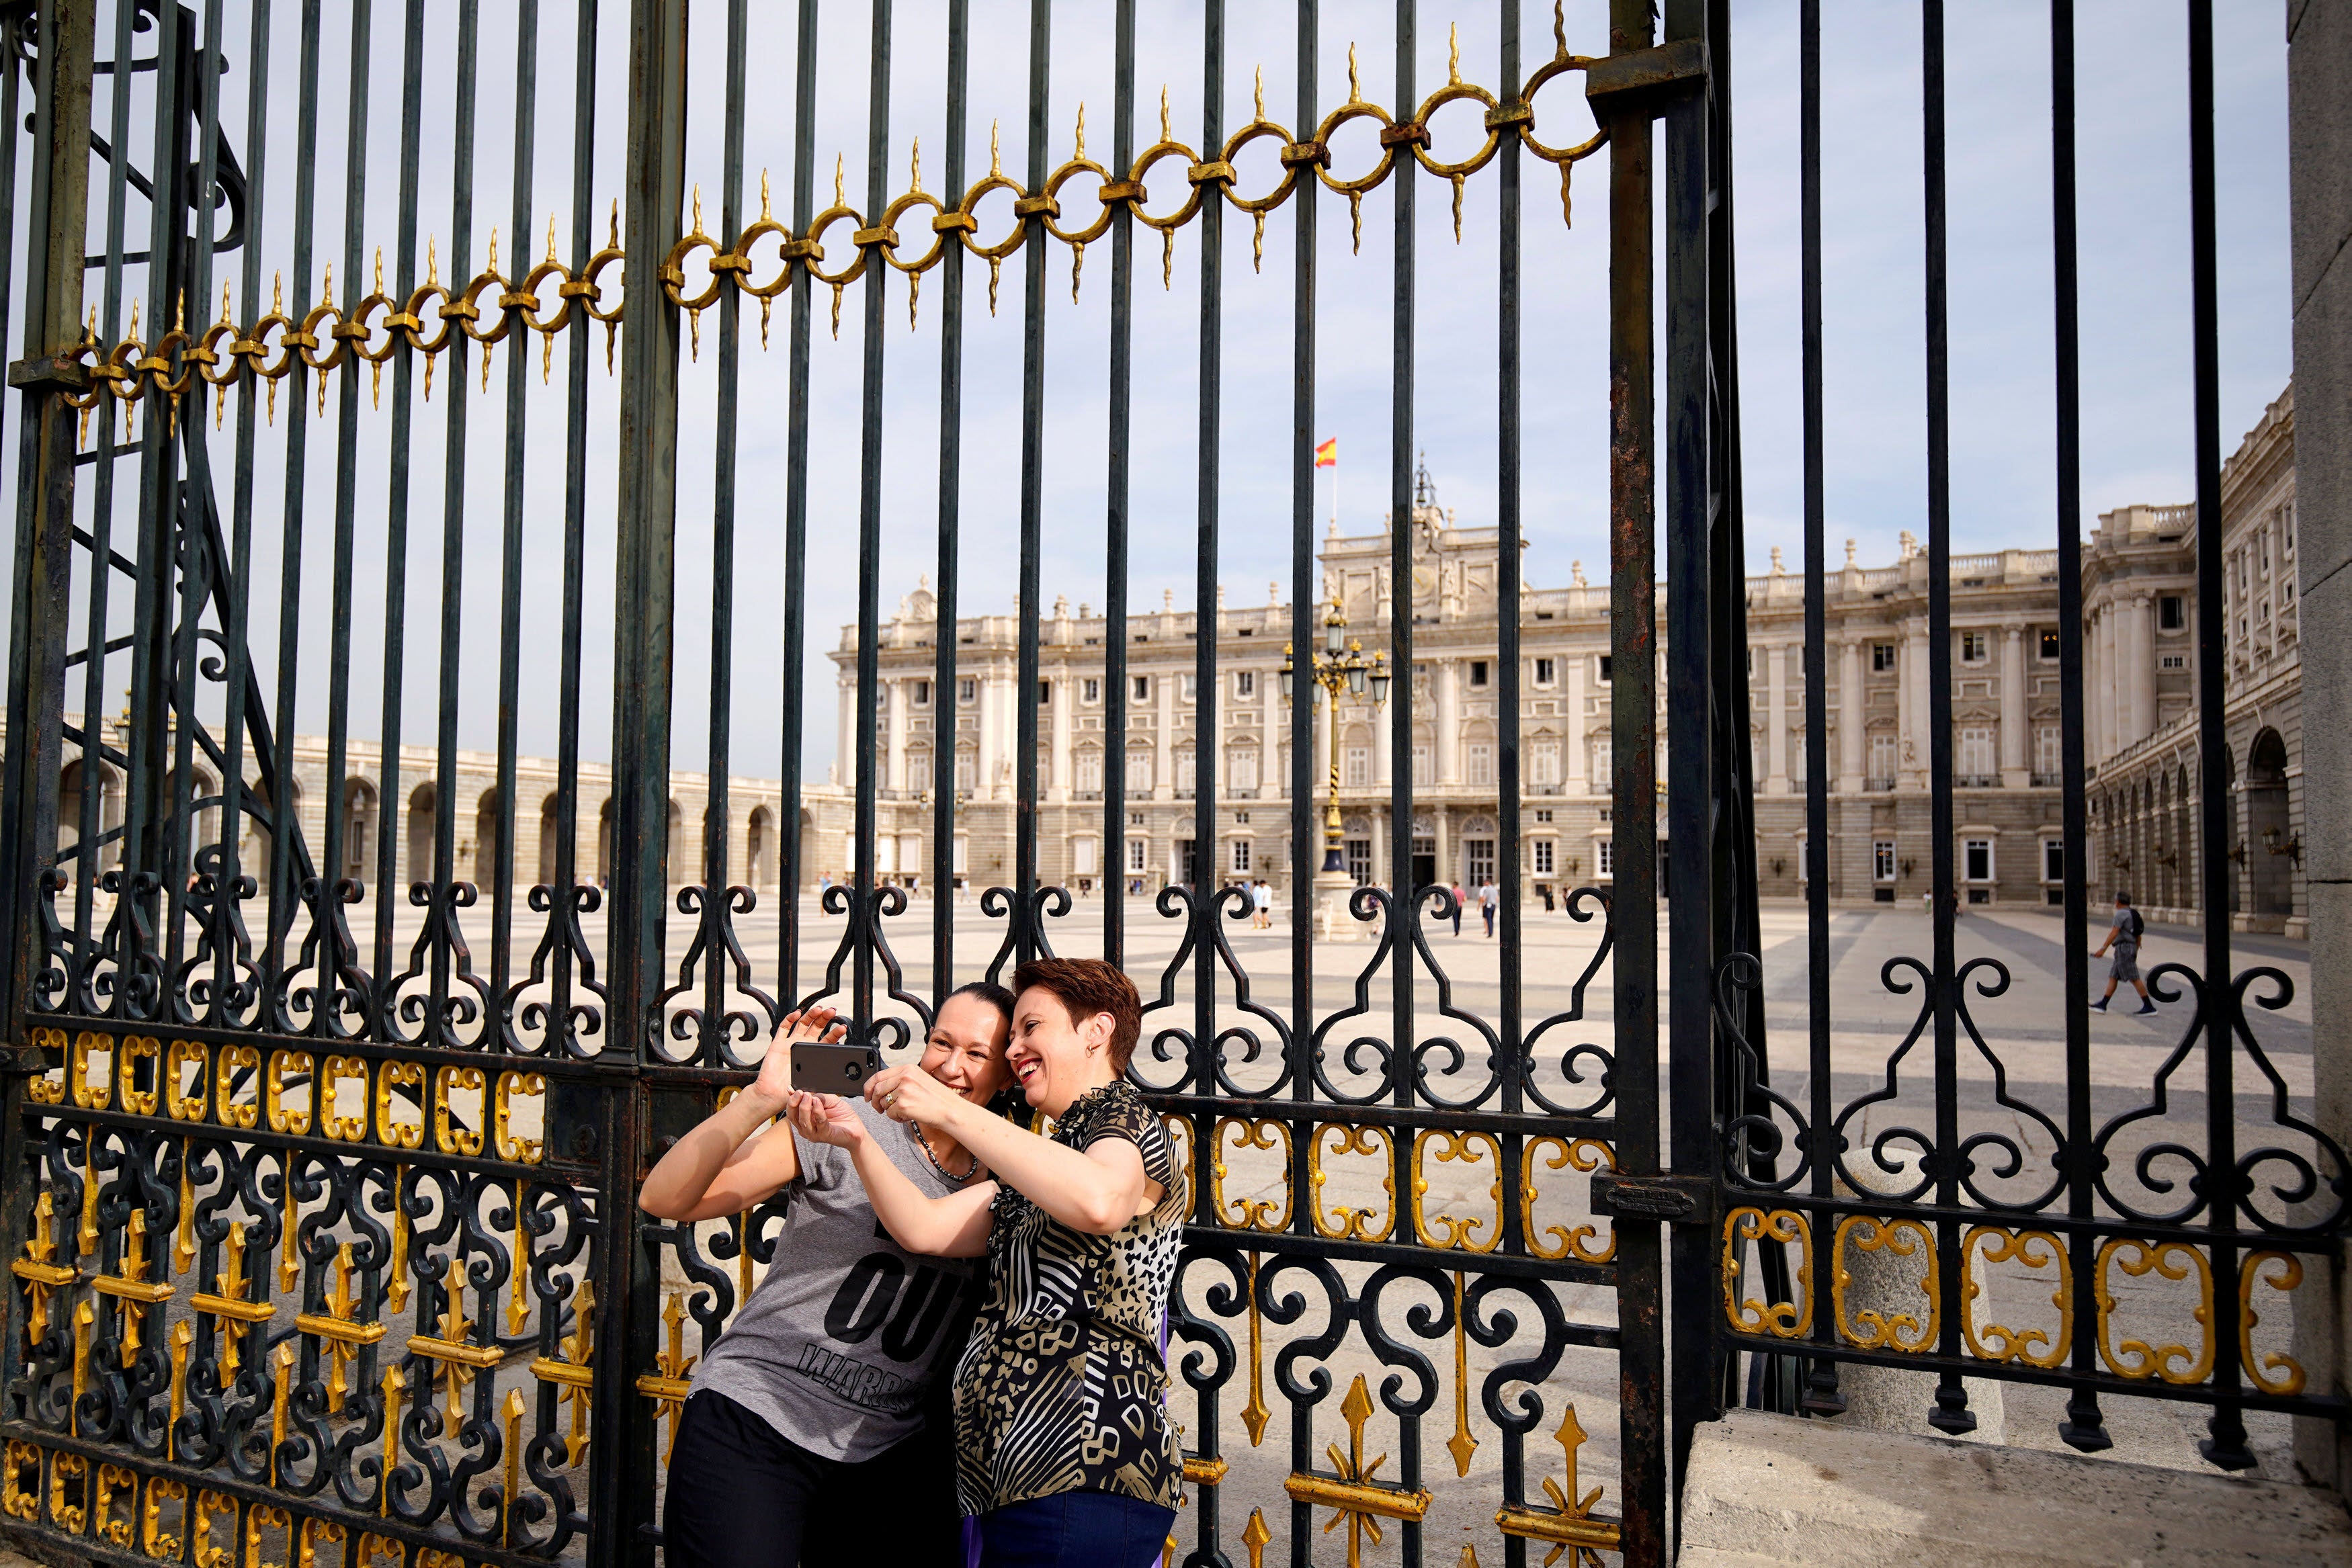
{"x": 321, "y": 1219}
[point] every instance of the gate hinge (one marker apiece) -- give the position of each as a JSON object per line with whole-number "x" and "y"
{"x": 1656, "y": 74}
{"x": 50, "y": 372}
{"x": 1675, "y": 1199}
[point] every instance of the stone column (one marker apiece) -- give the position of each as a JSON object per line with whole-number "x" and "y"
{"x": 845, "y": 732}
{"x": 1849, "y": 768}
{"x": 1906, "y": 705}
{"x": 894, "y": 718}
{"x": 2015, "y": 771}
{"x": 1449, "y": 723}
{"x": 1574, "y": 760}
{"x": 1063, "y": 700}
{"x": 1775, "y": 720}
{"x": 1273, "y": 784}
{"x": 1164, "y": 686}
{"x": 984, "y": 710}
{"x": 2111, "y": 683}
{"x": 2143, "y": 668}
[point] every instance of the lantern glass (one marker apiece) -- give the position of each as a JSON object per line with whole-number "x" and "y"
{"x": 1355, "y": 680}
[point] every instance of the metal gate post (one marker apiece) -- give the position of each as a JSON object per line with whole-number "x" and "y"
{"x": 654, "y": 177}
{"x": 1632, "y": 912}
{"x": 45, "y": 511}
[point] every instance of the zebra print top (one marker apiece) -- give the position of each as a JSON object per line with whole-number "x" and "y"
{"x": 1064, "y": 1386}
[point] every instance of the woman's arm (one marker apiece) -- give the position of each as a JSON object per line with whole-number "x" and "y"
{"x": 956, "y": 1226}
{"x": 1097, "y": 1189}
{"x": 729, "y": 1163}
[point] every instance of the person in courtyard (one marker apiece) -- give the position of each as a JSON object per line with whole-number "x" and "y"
{"x": 1488, "y": 902}
{"x": 1262, "y": 896}
{"x": 1064, "y": 1451}
{"x": 1461, "y": 897}
{"x": 2124, "y": 937}
{"x": 822, "y": 1408}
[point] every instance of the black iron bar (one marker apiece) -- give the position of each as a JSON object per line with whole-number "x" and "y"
{"x": 796, "y": 422}
{"x": 441, "y": 914}
{"x": 1951, "y": 1406}
{"x": 2083, "y": 1426}
{"x": 499, "y": 1028}
{"x": 1404, "y": 898}
{"x": 224, "y": 935}
{"x": 1633, "y": 699}
{"x": 1820, "y": 1395}
{"x": 1023, "y": 914}
{"x": 644, "y": 572}
{"x": 567, "y": 897}
{"x": 1404, "y": 300}
{"x": 327, "y": 1014}
{"x": 946, "y": 735}
{"x": 866, "y": 759}
{"x": 391, "y": 889}
{"x": 102, "y": 527}
{"x": 286, "y": 890}
{"x": 1692, "y": 796}
{"x": 714, "y": 1042}
{"x": 1119, "y": 487}
{"x": 1305, "y": 838}
{"x": 1510, "y": 1069}
{"x": 2225, "y": 1183}
{"x": 1208, "y": 730}
{"x": 164, "y": 489}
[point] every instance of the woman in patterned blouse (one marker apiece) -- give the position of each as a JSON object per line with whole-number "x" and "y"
{"x": 1065, "y": 1449}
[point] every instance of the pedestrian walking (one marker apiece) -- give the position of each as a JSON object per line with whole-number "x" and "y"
{"x": 1261, "y": 896}
{"x": 1488, "y": 902}
{"x": 2124, "y": 937}
{"x": 1461, "y": 897}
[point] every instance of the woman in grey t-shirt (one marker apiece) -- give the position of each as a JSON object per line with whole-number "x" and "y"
{"x": 814, "y": 1413}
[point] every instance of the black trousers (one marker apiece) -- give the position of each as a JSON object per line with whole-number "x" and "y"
{"x": 743, "y": 1496}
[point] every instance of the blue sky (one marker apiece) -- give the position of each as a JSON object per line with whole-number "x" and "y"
{"x": 2135, "y": 299}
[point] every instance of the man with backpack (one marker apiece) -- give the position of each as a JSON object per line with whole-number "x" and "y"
{"x": 2124, "y": 937}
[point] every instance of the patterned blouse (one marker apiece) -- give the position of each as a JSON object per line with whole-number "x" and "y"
{"x": 1064, "y": 1386}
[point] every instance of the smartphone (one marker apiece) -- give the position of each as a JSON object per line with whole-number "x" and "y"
{"x": 822, "y": 1068}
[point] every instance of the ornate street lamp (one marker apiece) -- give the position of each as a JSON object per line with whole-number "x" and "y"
{"x": 1338, "y": 664}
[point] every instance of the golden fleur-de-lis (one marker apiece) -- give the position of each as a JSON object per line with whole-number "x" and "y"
{"x": 1351, "y": 1468}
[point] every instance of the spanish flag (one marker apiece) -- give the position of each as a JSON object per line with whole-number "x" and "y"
{"x": 1326, "y": 456}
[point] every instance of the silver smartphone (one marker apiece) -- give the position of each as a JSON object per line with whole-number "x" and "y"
{"x": 823, "y": 1067}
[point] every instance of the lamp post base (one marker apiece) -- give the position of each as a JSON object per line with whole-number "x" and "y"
{"x": 1330, "y": 891}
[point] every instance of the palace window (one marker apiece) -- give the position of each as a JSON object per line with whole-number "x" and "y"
{"x": 1477, "y": 673}
{"x": 1604, "y": 669}
{"x": 967, "y": 691}
{"x": 1604, "y": 858}
{"x": 1356, "y": 767}
{"x": 1138, "y": 853}
{"x": 2049, "y": 639}
{"x": 919, "y": 693}
{"x": 1545, "y": 672}
{"x": 2171, "y": 612}
{"x": 1543, "y": 764}
{"x": 1241, "y": 857}
{"x": 1976, "y": 856}
{"x": 1977, "y": 753}
{"x": 1090, "y": 690}
{"x": 1544, "y": 849}
{"x": 1138, "y": 688}
{"x": 1882, "y": 860}
{"x": 1482, "y": 763}
{"x": 1882, "y": 656}
{"x": 1244, "y": 683}
{"x": 1972, "y": 647}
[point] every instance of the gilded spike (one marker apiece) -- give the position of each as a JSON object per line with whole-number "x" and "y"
{"x": 915, "y": 163}
{"x": 1260, "y": 95}
{"x": 995, "y": 158}
{"x": 1454, "y": 54}
{"x": 1081, "y": 153}
{"x": 1167, "y": 132}
{"x": 1355, "y": 90}
{"x": 763, "y": 197}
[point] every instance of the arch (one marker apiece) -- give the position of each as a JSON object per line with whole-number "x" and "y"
{"x": 71, "y": 779}
{"x": 2270, "y": 871}
{"x": 486, "y": 837}
{"x": 551, "y": 833}
{"x": 2184, "y": 859}
{"x": 759, "y": 847}
{"x": 360, "y": 809}
{"x": 2233, "y": 828}
{"x": 422, "y": 828}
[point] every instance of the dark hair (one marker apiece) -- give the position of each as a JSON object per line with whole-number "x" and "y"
{"x": 1086, "y": 986}
{"x": 988, "y": 991}
{"x": 2124, "y": 899}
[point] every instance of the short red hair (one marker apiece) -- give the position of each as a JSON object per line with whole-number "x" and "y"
{"x": 1085, "y": 987}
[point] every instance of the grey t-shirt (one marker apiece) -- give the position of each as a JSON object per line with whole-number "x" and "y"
{"x": 839, "y": 1345}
